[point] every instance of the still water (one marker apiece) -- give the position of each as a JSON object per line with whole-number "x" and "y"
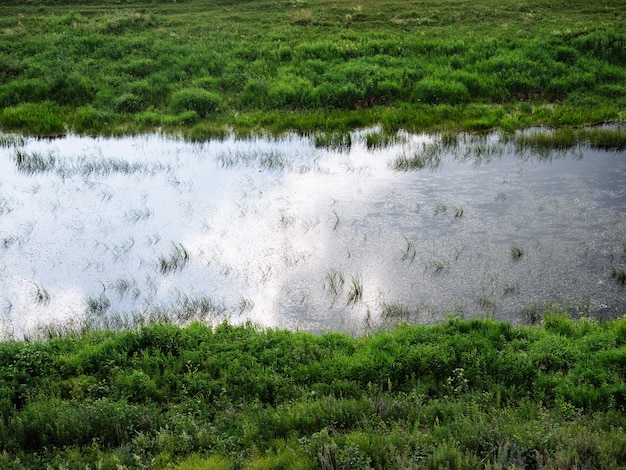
{"x": 285, "y": 233}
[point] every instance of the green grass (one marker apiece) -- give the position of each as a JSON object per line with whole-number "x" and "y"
{"x": 355, "y": 289}
{"x": 176, "y": 260}
{"x": 429, "y": 156}
{"x": 517, "y": 252}
{"x": 334, "y": 281}
{"x": 110, "y": 67}
{"x": 475, "y": 394}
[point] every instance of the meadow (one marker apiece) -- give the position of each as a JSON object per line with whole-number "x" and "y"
{"x": 460, "y": 394}
{"x": 206, "y": 68}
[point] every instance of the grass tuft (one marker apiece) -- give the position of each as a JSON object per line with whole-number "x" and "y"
{"x": 517, "y": 253}
{"x": 428, "y": 157}
{"x": 355, "y": 290}
{"x": 175, "y": 261}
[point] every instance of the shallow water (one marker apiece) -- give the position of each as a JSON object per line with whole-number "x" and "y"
{"x": 119, "y": 229}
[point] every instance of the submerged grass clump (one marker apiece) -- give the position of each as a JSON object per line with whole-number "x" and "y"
{"x": 409, "y": 250}
{"x": 396, "y": 312}
{"x": 377, "y": 140}
{"x": 428, "y": 157}
{"x": 271, "y": 398}
{"x": 619, "y": 274}
{"x": 355, "y": 290}
{"x": 11, "y": 141}
{"x": 516, "y": 253}
{"x": 337, "y": 141}
{"x": 334, "y": 281}
{"x": 175, "y": 261}
{"x": 458, "y": 211}
{"x": 34, "y": 162}
{"x": 569, "y": 137}
{"x": 272, "y": 160}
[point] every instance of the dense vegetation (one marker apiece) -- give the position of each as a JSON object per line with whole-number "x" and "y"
{"x": 130, "y": 66}
{"x": 462, "y": 394}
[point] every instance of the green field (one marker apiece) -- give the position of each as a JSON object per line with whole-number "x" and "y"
{"x": 205, "y": 68}
{"x": 462, "y": 394}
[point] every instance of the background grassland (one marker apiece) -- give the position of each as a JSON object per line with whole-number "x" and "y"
{"x": 133, "y": 66}
{"x": 462, "y": 394}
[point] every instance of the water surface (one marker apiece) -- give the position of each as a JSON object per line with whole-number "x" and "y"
{"x": 265, "y": 230}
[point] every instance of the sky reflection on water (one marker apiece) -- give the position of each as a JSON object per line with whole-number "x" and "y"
{"x": 265, "y": 222}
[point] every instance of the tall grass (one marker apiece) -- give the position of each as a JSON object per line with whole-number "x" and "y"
{"x": 110, "y": 67}
{"x": 467, "y": 394}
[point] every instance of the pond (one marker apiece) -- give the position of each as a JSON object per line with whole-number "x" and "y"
{"x": 113, "y": 232}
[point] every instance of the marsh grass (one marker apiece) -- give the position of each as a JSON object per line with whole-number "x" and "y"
{"x": 517, "y": 253}
{"x": 336, "y": 141}
{"x": 42, "y": 297}
{"x": 176, "y": 260}
{"x": 395, "y": 312}
{"x": 97, "y": 306}
{"x": 34, "y": 162}
{"x": 510, "y": 289}
{"x": 355, "y": 289}
{"x": 487, "y": 305}
{"x": 336, "y": 224}
{"x": 619, "y": 274}
{"x": 566, "y": 138}
{"x": 124, "y": 287}
{"x": 458, "y": 211}
{"x": 409, "y": 250}
{"x": 428, "y": 157}
{"x": 481, "y": 151}
{"x": 271, "y": 160}
{"x": 379, "y": 140}
{"x": 11, "y": 141}
{"x": 440, "y": 209}
{"x": 334, "y": 281}
{"x": 436, "y": 267}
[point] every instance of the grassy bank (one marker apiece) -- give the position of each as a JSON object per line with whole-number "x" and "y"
{"x": 204, "y": 67}
{"x": 461, "y": 394}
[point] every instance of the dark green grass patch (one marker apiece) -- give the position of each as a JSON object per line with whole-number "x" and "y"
{"x": 470, "y": 392}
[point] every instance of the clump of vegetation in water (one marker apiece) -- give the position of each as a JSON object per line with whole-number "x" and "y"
{"x": 516, "y": 253}
{"x": 429, "y": 156}
{"x": 175, "y": 261}
{"x": 467, "y": 392}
